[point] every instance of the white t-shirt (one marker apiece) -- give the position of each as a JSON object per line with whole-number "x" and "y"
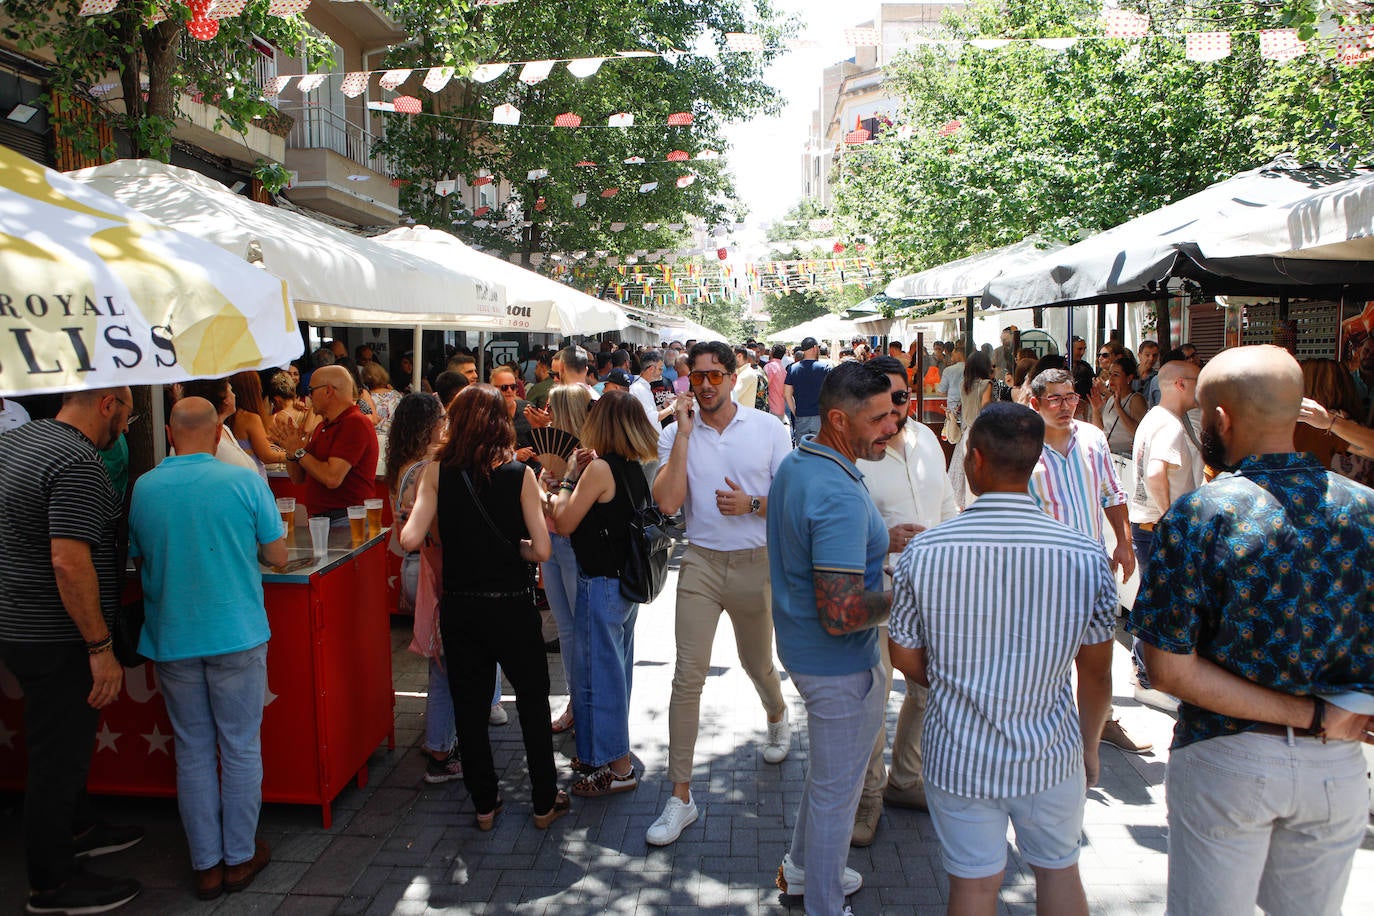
{"x": 909, "y": 485}
{"x": 1161, "y": 437}
{"x": 12, "y": 415}
{"x": 748, "y": 452}
{"x": 645, "y": 396}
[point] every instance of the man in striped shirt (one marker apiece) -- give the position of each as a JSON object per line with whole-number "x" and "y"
{"x": 991, "y": 611}
{"x": 1076, "y": 483}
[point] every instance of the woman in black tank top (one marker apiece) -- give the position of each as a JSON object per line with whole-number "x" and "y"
{"x": 593, "y": 508}
{"x": 485, "y": 509}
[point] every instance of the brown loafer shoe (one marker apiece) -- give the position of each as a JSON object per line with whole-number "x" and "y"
{"x": 561, "y": 806}
{"x": 209, "y": 881}
{"x": 487, "y": 821}
{"x": 238, "y": 877}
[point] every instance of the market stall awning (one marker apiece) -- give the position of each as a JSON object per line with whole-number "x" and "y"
{"x": 968, "y": 277}
{"x": 685, "y": 329}
{"x": 332, "y": 276}
{"x": 533, "y": 302}
{"x": 95, "y": 294}
{"x": 826, "y": 327}
{"x": 1278, "y": 228}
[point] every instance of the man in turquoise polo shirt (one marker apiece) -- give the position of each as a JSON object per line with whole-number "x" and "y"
{"x": 198, "y": 526}
{"x": 827, "y": 542}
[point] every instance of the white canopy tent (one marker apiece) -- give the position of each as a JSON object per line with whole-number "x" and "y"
{"x": 685, "y": 329}
{"x": 968, "y": 277}
{"x": 826, "y": 327}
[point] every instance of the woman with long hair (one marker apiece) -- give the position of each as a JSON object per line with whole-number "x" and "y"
{"x": 377, "y": 382}
{"x": 249, "y": 422}
{"x": 1117, "y": 408}
{"x": 568, "y": 406}
{"x": 1330, "y": 385}
{"x": 486, "y": 510}
{"x": 415, "y": 429}
{"x": 593, "y": 509}
{"x": 975, "y": 393}
{"x": 220, "y": 394}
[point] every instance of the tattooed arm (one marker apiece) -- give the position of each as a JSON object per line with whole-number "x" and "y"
{"x": 845, "y": 607}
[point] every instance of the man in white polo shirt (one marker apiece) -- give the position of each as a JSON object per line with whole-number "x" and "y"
{"x": 717, "y": 463}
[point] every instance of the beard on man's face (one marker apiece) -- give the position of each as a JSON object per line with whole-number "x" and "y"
{"x": 1214, "y": 450}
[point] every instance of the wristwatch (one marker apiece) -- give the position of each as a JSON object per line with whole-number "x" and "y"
{"x": 297, "y": 455}
{"x": 754, "y": 504}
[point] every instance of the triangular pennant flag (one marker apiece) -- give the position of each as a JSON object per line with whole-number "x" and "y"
{"x": 488, "y": 72}
{"x": 481, "y": 211}
{"x": 680, "y": 119}
{"x": 579, "y": 199}
{"x": 536, "y": 174}
{"x": 1124, "y": 24}
{"x": 1207, "y": 46}
{"x": 275, "y": 86}
{"x": 446, "y": 187}
{"x": 506, "y": 114}
{"x": 287, "y": 7}
{"x": 678, "y": 155}
{"x": 862, "y": 38}
{"x": 540, "y": 204}
{"x": 676, "y": 227}
{"x": 856, "y": 137}
{"x": 621, "y": 120}
{"x": 610, "y": 192}
{"x": 201, "y": 29}
{"x": 479, "y": 181}
{"x": 636, "y": 54}
{"x": 1056, "y": 44}
{"x": 635, "y": 160}
{"x": 584, "y": 67}
{"x": 567, "y": 119}
{"x": 226, "y": 9}
{"x": 407, "y": 104}
{"x": 586, "y": 164}
{"x": 949, "y": 128}
{"x": 708, "y": 154}
{"x": 1281, "y": 45}
{"x": 536, "y": 258}
{"x": 310, "y": 82}
{"x": 989, "y": 44}
{"x": 437, "y": 78}
{"x": 650, "y": 227}
{"x": 648, "y": 186}
{"x": 743, "y": 41}
{"x": 354, "y": 84}
{"x": 685, "y": 180}
{"x": 617, "y": 227}
{"x": 536, "y": 71}
{"x": 393, "y": 78}
{"x": 1356, "y": 44}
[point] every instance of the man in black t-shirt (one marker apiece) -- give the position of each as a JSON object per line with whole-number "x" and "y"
{"x": 58, "y": 595}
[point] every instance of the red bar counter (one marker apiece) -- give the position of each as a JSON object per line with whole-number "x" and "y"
{"x": 329, "y": 691}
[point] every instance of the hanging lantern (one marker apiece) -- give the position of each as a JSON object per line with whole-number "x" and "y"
{"x": 838, "y": 248}
{"x": 722, "y": 253}
{"x": 540, "y": 204}
{"x": 203, "y": 29}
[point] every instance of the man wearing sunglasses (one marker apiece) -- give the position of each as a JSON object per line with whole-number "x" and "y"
{"x": 912, "y": 491}
{"x": 716, "y": 463}
{"x": 1076, "y": 482}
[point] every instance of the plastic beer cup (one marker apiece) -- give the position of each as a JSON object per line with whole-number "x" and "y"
{"x": 319, "y": 535}
{"x": 357, "y": 523}
{"x": 374, "y": 515}
{"x": 286, "y": 505}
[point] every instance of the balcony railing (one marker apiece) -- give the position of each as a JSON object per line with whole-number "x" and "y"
{"x": 318, "y": 127}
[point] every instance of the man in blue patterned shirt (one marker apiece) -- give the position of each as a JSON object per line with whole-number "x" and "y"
{"x": 1258, "y": 614}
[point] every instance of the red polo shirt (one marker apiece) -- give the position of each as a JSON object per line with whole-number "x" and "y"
{"x": 352, "y": 437}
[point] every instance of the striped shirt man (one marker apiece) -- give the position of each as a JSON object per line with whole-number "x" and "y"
{"x": 1076, "y": 485}
{"x": 1001, "y": 598}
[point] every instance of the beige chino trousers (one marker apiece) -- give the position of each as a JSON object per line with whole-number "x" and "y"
{"x": 906, "y": 741}
{"x": 711, "y": 582}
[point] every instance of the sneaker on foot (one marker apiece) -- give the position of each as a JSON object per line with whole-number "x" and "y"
{"x": 445, "y": 769}
{"x": 792, "y": 879}
{"x": 85, "y": 893}
{"x": 605, "y": 781}
{"x": 866, "y": 822}
{"x": 779, "y": 740}
{"x": 677, "y": 816}
{"x": 1156, "y": 699}
{"x": 498, "y": 715}
{"x": 1116, "y": 736}
{"x": 103, "y": 839}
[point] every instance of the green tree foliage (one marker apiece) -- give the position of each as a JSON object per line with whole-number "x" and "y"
{"x": 454, "y": 139}
{"x": 1073, "y": 142}
{"x": 791, "y": 237}
{"x": 126, "y": 47}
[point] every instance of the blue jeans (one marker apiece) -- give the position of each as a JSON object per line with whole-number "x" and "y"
{"x": 605, "y": 658}
{"x": 440, "y": 732}
{"x": 1142, "y": 542}
{"x": 218, "y": 700}
{"x": 560, "y": 585}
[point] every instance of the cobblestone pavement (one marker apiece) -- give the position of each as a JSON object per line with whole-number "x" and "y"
{"x": 399, "y": 846}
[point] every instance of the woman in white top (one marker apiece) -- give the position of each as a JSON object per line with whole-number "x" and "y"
{"x": 218, "y": 392}
{"x": 1117, "y": 410}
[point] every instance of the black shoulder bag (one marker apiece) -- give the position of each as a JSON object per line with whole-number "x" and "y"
{"x": 650, "y": 545}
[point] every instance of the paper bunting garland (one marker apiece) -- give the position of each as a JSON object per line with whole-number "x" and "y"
{"x": 708, "y": 154}
{"x": 1281, "y": 45}
{"x": 354, "y": 85}
{"x": 536, "y": 71}
{"x": 275, "y": 86}
{"x": 1124, "y": 24}
{"x": 203, "y": 29}
{"x": 617, "y": 227}
{"x": 680, "y": 119}
{"x": 635, "y": 160}
{"x": 648, "y": 186}
{"x": 863, "y": 38}
{"x": 437, "y": 78}
{"x": 742, "y": 41}
{"x": 407, "y": 104}
{"x": 586, "y": 164}
{"x": 481, "y": 211}
{"x": 1356, "y": 44}
{"x": 540, "y": 204}
{"x": 678, "y": 155}
{"x": 822, "y": 224}
{"x": 621, "y": 120}
{"x": 97, "y": 7}
{"x": 949, "y": 128}
{"x": 686, "y": 180}
{"x": 584, "y": 67}
{"x": 1206, "y": 47}
{"x": 393, "y": 78}
{"x": 506, "y": 114}
{"x": 287, "y": 7}
{"x": 310, "y": 82}
{"x": 610, "y": 192}
{"x": 536, "y": 174}
{"x": 567, "y": 119}
{"x": 479, "y": 181}
{"x": 488, "y": 72}
{"x": 579, "y": 199}
{"x": 650, "y": 227}
{"x": 226, "y": 9}
{"x": 446, "y": 187}
{"x": 855, "y": 137}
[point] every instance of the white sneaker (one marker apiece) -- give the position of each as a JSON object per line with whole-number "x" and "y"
{"x": 498, "y": 715}
{"x": 779, "y": 740}
{"x": 792, "y": 879}
{"x": 677, "y": 816}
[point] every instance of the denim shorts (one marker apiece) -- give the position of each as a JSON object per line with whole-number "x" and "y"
{"x": 973, "y": 831}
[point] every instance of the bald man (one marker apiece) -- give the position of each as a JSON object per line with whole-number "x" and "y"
{"x": 195, "y": 520}
{"x": 338, "y": 462}
{"x": 1255, "y": 612}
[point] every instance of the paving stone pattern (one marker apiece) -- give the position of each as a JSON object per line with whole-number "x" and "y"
{"x": 400, "y": 846}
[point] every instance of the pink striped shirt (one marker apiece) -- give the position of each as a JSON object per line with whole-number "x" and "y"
{"x": 1076, "y": 487}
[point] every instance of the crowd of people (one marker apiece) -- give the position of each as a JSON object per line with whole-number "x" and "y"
{"x": 825, "y": 521}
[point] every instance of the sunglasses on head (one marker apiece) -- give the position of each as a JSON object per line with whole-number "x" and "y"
{"x": 714, "y": 376}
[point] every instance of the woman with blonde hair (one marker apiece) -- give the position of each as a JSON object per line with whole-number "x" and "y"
{"x": 377, "y": 382}
{"x": 603, "y": 484}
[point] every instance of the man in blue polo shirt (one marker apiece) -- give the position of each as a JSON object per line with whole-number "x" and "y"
{"x": 196, "y": 524}
{"x": 827, "y": 542}
{"x": 803, "y": 390}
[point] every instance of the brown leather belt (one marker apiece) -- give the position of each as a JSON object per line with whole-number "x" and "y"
{"x": 1269, "y": 728}
{"x": 1146, "y": 526}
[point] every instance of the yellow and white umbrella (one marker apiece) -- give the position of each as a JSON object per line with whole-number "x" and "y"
{"x": 94, "y": 294}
